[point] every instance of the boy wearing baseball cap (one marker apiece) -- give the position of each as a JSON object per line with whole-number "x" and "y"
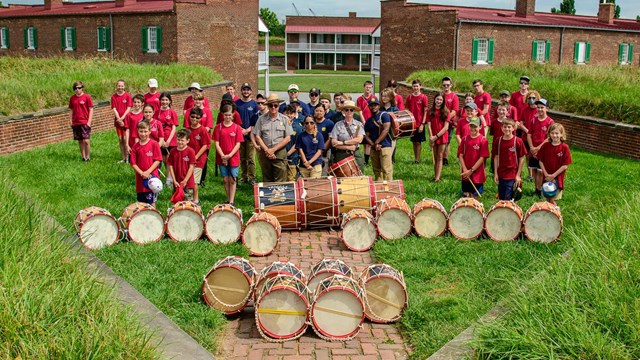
{"x": 472, "y": 153}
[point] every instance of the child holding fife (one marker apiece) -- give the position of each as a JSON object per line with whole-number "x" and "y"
{"x": 473, "y": 152}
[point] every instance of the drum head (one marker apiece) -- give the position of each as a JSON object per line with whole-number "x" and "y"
{"x": 99, "y": 231}
{"x": 386, "y": 299}
{"x": 145, "y": 227}
{"x": 503, "y": 224}
{"x": 337, "y": 313}
{"x": 260, "y": 237}
{"x": 281, "y": 313}
{"x": 316, "y": 280}
{"x": 185, "y": 225}
{"x": 394, "y": 224}
{"x": 223, "y": 227}
{"x": 226, "y": 289}
{"x": 430, "y": 222}
{"x": 542, "y": 226}
{"x": 466, "y": 223}
{"x": 359, "y": 234}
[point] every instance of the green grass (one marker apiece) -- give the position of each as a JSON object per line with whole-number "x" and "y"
{"x": 607, "y": 92}
{"x": 35, "y": 84}
{"x": 273, "y": 40}
{"x": 51, "y": 305}
{"x": 273, "y": 71}
{"x": 331, "y": 72}
{"x": 347, "y": 83}
{"x": 450, "y": 283}
{"x": 276, "y": 53}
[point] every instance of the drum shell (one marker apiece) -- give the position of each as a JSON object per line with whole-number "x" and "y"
{"x": 347, "y": 167}
{"x": 87, "y": 214}
{"x": 531, "y": 227}
{"x": 402, "y": 124}
{"x": 261, "y": 217}
{"x": 389, "y": 188}
{"x": 356, "y": 193}
{"x": 399, "y": 227}
{"x": 235, "y": 264}
{"x": 371, "y": 230}
{"x": 282, "y": 200}
{"x": 321, "y": 202}
{"x": 134, "y": 209}
{"x": 427, "y": 205}
{"x": 280, "y": 283}
{"x": 332, "y": 286}
{"x": 396, "y": 290}
{"x": 327, "y": 267}
{"x": 184, "y": 206}
{"x": 227, "y": 209}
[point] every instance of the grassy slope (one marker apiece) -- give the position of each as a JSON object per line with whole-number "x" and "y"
{"x": 348, "y": 83}
{"x": 608, "y": 92}
{"x": 34, "y": 84}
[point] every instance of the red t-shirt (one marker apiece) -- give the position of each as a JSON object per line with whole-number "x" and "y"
{"x": 481, "y": 100}
{"x": 495, "y": 129}
{"x": 206, "y": 120}
{"x": 472, "y": 149}
{"x": 144, "y": 156}
{"x": 236, "y": 118}
{"x": 416, "y": 104}
{"x": 517, "y": 101}
{"x": 120, "y": 103}
{"x": 452, "y": 102}
{"x": 168, "y": 118}
{"x": 155, "y": 130}
{"x": 509, "y": 153}
{"x": 462, "y": 129}
{"x": 153, "y": 100}
{"x": 131, "y": 122}
{"x": 80, "y": 106}
{"x": 538, "y": 130}
{"x": 200, "y": 138}
{"x": 180, "y": 160}
{"x": 363, "y": 104}
{"x": 436, "y": 125}
{"x": 228, "y": 137}
{"x": 553, "y": 157}
{"x": 399, "y": 102}
{"x": 188, "y": 103}
{"x": 512, "y": 113}
{"x": 528, "y": 114}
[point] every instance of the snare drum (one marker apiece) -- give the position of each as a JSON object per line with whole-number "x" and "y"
{"x": 429, "y": 218}
{"x": 394, "y": 218}
{"x": 96, "y": 227}
{"x": 503, "y": 221}
{"x": 337, "y": 312}
{"x": 282, "y": 200}
{"x": 279, "y": 268}
{"x": 385, "y": 293}
{"x": 543, "y": 222}
{"x": 223, "y": 224}
{"x": 229, "y": 284}
{"x": 466, "y": 219}
{"x": 143, "y": 223}
{"x": 321, "y": 202}
{"x": 389, "y": 188}
{"x": 185, "y": 221}
{"x": 261, "y": 234}
{"x": 356, "y": 193}
{"x": 282, "y": 308}
{"x": 346, "y": 167}
{"x": 324, "y": 269}
{"x": 402, "y": 124}
{"x": 359, "y": 230}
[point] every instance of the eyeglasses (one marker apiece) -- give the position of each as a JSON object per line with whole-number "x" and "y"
{"x": 524, "y": 83}
{"x": 273, "y": 106}
{"x": 394, "y": 86}
{"x": 309, "y": 123}
{"x": 348, "y": 110}
{"x": 314, "y": 95}
{"x": 293, "y": 91}
{"x": 194, "y": 116}
{"x": 261, "y": 103}
{"x": 77, "y": 87}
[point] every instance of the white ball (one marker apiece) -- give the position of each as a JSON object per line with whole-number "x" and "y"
{"x": 155, "y": 185}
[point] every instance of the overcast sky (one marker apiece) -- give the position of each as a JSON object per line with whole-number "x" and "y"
{"x": 371, "y": 8}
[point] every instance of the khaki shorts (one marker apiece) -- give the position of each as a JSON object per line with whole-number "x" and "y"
{"x": 197, "y": 175}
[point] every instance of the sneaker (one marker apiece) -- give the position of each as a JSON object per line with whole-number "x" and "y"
{"x": 445, "y": 161}
{"x": 122, "y": 161}
{"x": 252, "y": 182}
{"x": 416, "y": 162}
{"x": 240, "y": 181}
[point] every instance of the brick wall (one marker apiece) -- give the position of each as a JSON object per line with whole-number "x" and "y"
{"x": 585, "y": 132}
{"x": 27, "y": 131}
{"x": 127, "y": 37}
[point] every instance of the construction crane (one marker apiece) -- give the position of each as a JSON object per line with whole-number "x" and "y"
{"x": 312, "y": 12}
{"x": 296, "y": 9}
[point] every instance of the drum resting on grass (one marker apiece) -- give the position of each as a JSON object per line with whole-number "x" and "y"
{"x": 229, "y": 284}
{"x": 429, "y": 218}
{"x": 393, "y": 218}
{"x": 96, "y": 227}
{"x": 543, "y": 222}
{"x": 504, "y": 221}
{"x": 185, "y": 221}
{"x": 143, "y": 223}
{"x": 466, "y": 219}
{"x": 223, "y": 224}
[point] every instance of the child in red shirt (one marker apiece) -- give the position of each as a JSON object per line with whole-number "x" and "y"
{"x": 207, "y": 117}
{"x": 555, "y": 157}
{"x": 228, "y": 136}
{"x": 145, "y": 159}
{"x": 438, "y": 132}
{"x": 153, "y": 96}
{"x": 81, "y": 106}
{"x": 508, "y": 155}
{"x": 131, "y": 121}
{"x": 473, "y": 152}
{"x": 169, "y": 120}
{"x": 155, "y": 127}
{"x": 418, "y": 104}
{"x": 199, "y": 141}
{"x": 181, "y": 164}
{"x": 536, "y": 137}
{"x": 121, "y": 104}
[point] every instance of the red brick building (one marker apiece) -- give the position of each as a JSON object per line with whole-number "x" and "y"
{"x": 332, "y": 43}
{"x": 221, "y": 34}
{"x": 424, "y": 36}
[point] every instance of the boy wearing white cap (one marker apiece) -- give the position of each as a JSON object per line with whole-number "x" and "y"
{"x": 153, "y": 96}
{"x": 194, "y": 88}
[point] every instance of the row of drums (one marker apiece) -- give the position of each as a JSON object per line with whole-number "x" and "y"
{"x": 286, "y": 302}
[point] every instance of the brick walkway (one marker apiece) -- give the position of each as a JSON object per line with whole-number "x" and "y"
{"x": 375, "y": 341}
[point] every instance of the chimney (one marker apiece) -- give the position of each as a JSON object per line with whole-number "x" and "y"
{"x": 352, "y": 14}
{"x": 525, "y": 8}
{"x": 52, "y": 4}
{"x": 606, "y": 12}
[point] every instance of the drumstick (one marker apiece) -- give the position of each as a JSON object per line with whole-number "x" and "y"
{"x": 383, "y": 300}
{"x": 338, "y": 312}
{"x": 161, "y": 173}
{"x": 226, "y": 289}
{"x": 476, "y": 189}
{"x": 282, "y": 312}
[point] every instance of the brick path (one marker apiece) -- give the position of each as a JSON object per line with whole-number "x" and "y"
{"x": 375, "y": 341}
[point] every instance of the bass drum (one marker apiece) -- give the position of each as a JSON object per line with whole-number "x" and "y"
{"x": 282, "y": 200}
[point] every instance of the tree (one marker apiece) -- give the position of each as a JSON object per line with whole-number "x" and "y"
{"x": 271, "y": 20}
{"x": 566, "y": 7}
{"x": 616, "y": 9}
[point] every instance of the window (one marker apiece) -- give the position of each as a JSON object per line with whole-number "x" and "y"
{"x": 30, "y": 38}
{"x": 104, "y": 38}
{"x": 364, "y": 59}
{"x": 319, "y": 38}
{"x": 317, "y": 59}
{"x": 68, "y": 38}
{"x": 482, "y": 51}
{"x": 4, "y": 38}
{"x": 365, "y": 39}
{"x": 339, "y": 59}
{"x": 151, "y": 39}
{"x": 625, "y": 52}
{"x": 581, "y": 52}
{"x": 339, "y": 39}
{"x": 540, "y": 50}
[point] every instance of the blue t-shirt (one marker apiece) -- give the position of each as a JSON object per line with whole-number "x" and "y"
{"x": 298, "y": 129}
{"x": 325, "y": 128}
{"x": 246, "y": 110}
{"x": 305, "y": 108}
{"x": 310, "y": 146}
{"x": 390, "y": 109}
{"x": 374, "y": 125}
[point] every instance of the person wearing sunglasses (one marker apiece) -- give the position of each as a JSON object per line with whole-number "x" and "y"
{"x": 310, "y": 144}
{"x": 393, "y": 86}
{"x": 262, "y": 109}
{"x": 293, "y": 91}
{"x": 272, "y": 132}
{"x": 347, "y": 135}
{"x": 314, "y": 97}
{"x": 518, "y": 97}
{"x": 377, "y": 136}
{"x": 81, "y": 106}
{"x": 324, "y": 126}
{"x": 295, "y": 121}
